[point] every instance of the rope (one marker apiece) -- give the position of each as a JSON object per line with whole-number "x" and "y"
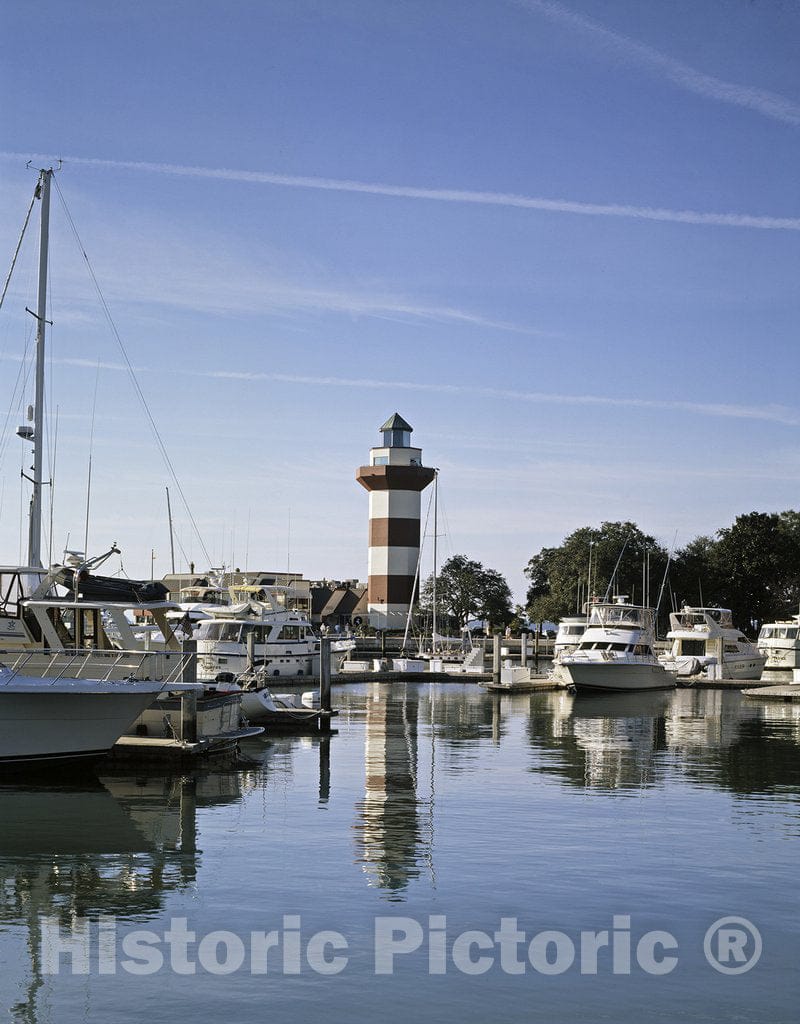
{"x": 19, "y": 245}
{"x": 132, "y": 375}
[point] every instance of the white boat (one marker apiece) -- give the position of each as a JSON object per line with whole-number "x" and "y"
{"x": 196, "y": 603}
{"x": 79, "y": 676}
{"x": 260, "y": 634}
{"x": 779, "y": 642}
{"x": 705, "y": 640}
{"x": 615, "y": 652}
{"x": 568, "y": 635}
{"x": 46, "y": 721}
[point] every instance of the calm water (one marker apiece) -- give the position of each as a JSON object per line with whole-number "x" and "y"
{"x": 670, "y": 810}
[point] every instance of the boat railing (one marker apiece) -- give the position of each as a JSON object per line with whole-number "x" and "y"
{"x": 60, "y": 664}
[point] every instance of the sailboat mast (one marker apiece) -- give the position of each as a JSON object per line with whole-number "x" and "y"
{"x": 35, "y": 521}
{"x": 171, "y": 534}
{"x": 435, "y": 540}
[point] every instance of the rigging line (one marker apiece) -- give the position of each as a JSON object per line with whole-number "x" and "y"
{"x": 21, "y": 383}
{"x": 19, "y": 245}
{"x": 89, "y": 472}
{"x": 53, "y": 490}
{"x": 132, "y": 375}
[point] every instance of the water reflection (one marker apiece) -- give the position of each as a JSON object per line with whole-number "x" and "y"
{"x": 110, "y": 846}
{"x": 629, "y": 742}
{"x": 389, "y": 825}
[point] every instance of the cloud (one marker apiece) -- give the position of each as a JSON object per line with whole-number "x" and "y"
{"x": 768, "y": 104}
{"x": 768, "y": 413}
{"x": 506, "y": 199}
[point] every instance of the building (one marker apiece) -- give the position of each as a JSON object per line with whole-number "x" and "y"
{"x": 395, "y": 479}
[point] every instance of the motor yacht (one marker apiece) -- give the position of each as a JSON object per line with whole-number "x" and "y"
{"x": 615, "y": 652}
{"x": 705, "y": 640}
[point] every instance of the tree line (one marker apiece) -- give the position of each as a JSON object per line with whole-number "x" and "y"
{"x": 751, "y": 567}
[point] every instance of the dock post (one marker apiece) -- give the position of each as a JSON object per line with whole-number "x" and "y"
{"x": 189, "y": 666}
{"x": 251, "y": 650}
{"x": 536, "y": 638}
{"x": 189, "y": 716}
{"x": 325, "y": 684}
{"x": 189, "y": 700}
{"x": 523, "y": 649}
{"x": 496, "y": 658}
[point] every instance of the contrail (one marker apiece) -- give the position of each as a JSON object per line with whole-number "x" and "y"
{"x": 442, "y": 195}
{"x": 770, "y": 104}
{"x": 769, "y": 413}
{"x": 766, "y": 413}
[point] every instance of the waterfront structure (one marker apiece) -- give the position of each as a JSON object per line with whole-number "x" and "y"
{"x": 395, "y": 479}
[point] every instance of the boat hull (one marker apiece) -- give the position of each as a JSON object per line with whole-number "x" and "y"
{"x": 45, "y": 726}
{"x": 616, "y": 678}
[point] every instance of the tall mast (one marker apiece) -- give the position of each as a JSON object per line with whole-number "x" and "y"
{"x": 35, "y": 522}
{"x": 435, "y": 540}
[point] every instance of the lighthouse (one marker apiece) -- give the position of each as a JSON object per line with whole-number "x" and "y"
{"x": 395, "y": 479}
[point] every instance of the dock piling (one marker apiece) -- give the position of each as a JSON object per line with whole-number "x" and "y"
{"x": 325, "y": 684}
{"x": 496, "y": 658}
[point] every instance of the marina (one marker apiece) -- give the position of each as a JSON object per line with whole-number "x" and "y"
{"x": 399, "y": 526}
{"x": 404, "y": 807}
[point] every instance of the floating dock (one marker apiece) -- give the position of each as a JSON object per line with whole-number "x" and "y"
{"x": 787, "y": 693}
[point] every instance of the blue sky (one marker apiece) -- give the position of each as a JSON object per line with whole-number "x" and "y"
{"x": 561, "y": 240}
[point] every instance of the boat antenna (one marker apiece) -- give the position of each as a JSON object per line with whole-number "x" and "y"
{"x": 171, "y": 535}
{"x": 664, "y": 580}
{"x": 614, "y": 573}
{"x": 89, "y": 472}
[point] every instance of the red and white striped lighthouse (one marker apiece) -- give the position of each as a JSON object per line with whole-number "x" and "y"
{"x": 395, "y": 478}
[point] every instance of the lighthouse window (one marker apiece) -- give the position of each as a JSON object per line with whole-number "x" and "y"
{"x": 381, "y": 460}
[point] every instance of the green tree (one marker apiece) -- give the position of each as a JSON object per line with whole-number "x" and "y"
{"x": 560, "y": 577}
{"x": 466, "y": 590}
{"x": 757, "y": 560}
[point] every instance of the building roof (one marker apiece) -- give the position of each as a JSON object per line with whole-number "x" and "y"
{"x": 396, "y": 422}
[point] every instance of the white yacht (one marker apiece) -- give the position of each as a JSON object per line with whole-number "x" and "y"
{"x": 779, "y": 642}
{"x": 59, "y": 720}
{"x": 199, "y": 602}
{"x": 570, "y": 630}
{"x": 282, "y": 641}
{"x": 705, "y": 640}
{"x": 616, "y": 651}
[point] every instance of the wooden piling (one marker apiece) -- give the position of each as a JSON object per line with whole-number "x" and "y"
{"x": 523, "y": 649}
{"x": 325, "y": 684}
{"x": 189, "y": 716}
{"x": 496, "y": 658}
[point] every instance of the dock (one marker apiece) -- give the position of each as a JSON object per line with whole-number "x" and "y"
{"x": 788, "y": 693}
{"x": 157, "y": 752}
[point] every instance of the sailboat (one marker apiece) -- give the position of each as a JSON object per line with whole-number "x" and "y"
{"x": 52, "y": 718}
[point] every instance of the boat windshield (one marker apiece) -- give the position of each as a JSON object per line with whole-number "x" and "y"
{"x": 227, "y": 632}
{"x": 778, "y": 633}
{"x": 617, "y": 615}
